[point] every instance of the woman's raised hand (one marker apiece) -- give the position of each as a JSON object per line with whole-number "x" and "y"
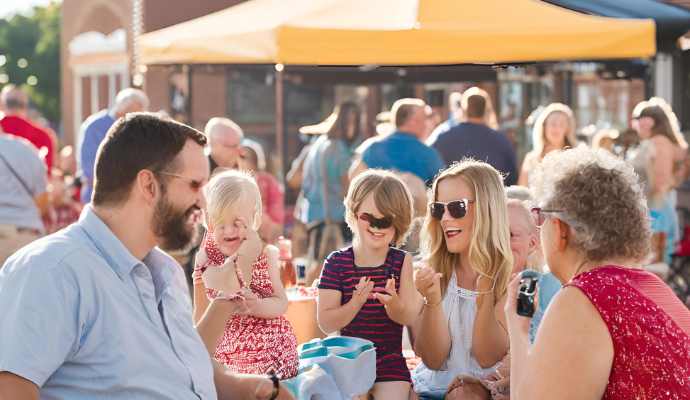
{"x": 428, "y": 284}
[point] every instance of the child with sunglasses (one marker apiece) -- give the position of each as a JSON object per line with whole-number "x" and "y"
{"x": 367, "y": 290}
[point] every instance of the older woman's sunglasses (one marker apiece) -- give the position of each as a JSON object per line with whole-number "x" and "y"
{"x": 456, "y": 208}
{"x": 376, "y": 223}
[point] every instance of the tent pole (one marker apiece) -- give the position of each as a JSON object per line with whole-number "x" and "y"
{"x": 280, "y": 121}
{"x": 188, "y": 106}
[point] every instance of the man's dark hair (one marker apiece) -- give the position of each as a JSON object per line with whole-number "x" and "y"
{"x": 136, "y": 142}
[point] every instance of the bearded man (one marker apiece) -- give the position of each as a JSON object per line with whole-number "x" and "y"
{"x": 97, "y": 310}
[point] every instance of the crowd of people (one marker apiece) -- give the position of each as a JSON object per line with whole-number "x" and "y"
{"x": 420, "y": 234}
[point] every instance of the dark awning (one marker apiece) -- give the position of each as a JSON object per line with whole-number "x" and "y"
{"x": 671, "y": 21}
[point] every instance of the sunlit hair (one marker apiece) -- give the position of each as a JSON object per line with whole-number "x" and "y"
{"x": 602, "y": 202}
{"x": 391, "y": 196}
{"x": 539, "y": 129}
{"x": 225, "y": 190}
{"x": 340, "y": 125}
{"x": 218, "y": 127}
{"x": 602, "y": 135}
{"x": 402, "y": 110}
{"x": 665, "y": 120}
{"x": 489, "y": 252}
{"x": 521, "y": 193}
{"x": 522, "y": 207}
{"x": 476, "y": 103}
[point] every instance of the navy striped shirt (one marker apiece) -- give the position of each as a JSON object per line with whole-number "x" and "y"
{"x": 372, "y": 323}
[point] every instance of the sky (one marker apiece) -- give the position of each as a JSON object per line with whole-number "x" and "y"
{"x": 10, "y": 7}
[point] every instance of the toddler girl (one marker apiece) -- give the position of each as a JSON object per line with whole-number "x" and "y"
{"x": 234, "y": 265}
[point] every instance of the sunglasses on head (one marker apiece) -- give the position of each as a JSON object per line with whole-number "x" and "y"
{"x": 377, "y": 223}
{"x": 456, "y": 208}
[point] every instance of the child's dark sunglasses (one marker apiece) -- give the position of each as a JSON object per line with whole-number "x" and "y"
{"x": 377, "y": 223}
{"x": 456, "y": 208}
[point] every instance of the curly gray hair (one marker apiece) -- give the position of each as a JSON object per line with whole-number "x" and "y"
{"x": 602, "y": 201}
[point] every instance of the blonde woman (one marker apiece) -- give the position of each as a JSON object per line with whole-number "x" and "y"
{"x": 554, "y": 129}
{"x": 466, "y": 240}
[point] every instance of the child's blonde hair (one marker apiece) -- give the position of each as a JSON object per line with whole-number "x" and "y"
{"x": 225, "y": 190}
{"x": 391, "y": 196}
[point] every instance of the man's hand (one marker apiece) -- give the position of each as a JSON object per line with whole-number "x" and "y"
{"x": 264, "y": 390}
{"x": 251, "y": 302}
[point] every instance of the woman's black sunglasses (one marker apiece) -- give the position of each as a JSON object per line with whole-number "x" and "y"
{"x": 376, "y": 223}
{"x": 456, "y": 208}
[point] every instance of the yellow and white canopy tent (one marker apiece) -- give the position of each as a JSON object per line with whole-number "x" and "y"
{"x": 396, "y": 32}
{"x": 393, "y": 32}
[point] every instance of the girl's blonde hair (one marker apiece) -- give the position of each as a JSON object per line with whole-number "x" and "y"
{"x": 225, "y": 190}
{"x": 391, "y": 196}
{"x": 489, "y": 251}
{"x": 539, "y": 129}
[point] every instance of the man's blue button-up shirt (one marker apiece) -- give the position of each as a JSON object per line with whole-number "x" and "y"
{"x": 82, "y": 318}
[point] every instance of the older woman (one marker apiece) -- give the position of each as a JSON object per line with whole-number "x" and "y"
{"x": 614, "y": 331}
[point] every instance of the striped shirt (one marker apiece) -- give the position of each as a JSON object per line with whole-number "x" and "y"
{"x": 372, "y": 323}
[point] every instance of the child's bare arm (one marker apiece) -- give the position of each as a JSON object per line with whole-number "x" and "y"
{"x": 276, "y": 305}
{"x": 331, "y": 315}
{"x": 200, "y": 300}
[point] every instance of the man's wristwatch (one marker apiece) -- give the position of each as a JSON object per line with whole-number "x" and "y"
{"x": 276, "y": 386}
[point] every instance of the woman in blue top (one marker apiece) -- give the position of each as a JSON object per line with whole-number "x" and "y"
{"x": 325, "y": 183}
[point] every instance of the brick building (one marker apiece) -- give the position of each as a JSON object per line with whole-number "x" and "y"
{"x": 98, "y": 58}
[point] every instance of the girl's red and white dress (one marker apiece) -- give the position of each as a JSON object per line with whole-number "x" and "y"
{"x": 250, "y": 344}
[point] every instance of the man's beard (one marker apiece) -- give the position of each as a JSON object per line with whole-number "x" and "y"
{"x": 171, "y": 225}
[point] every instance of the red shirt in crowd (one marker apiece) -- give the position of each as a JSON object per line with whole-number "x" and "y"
{"x": 18, "y": 126}
{"x": 271, "y": 196}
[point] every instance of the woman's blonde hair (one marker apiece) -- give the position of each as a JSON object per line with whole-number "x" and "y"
{"x": 539, "y": 129}
{"x": 391, "y": 196}
{"x": 489, "y": 253}
{"x": 665, "y": 120}
{"x": 225, "y": 190}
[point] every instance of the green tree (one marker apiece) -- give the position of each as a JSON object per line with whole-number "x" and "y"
{"x": 34, "y": 37}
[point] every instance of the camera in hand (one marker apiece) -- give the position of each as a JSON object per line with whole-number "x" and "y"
{"x": 526, "y": 293}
